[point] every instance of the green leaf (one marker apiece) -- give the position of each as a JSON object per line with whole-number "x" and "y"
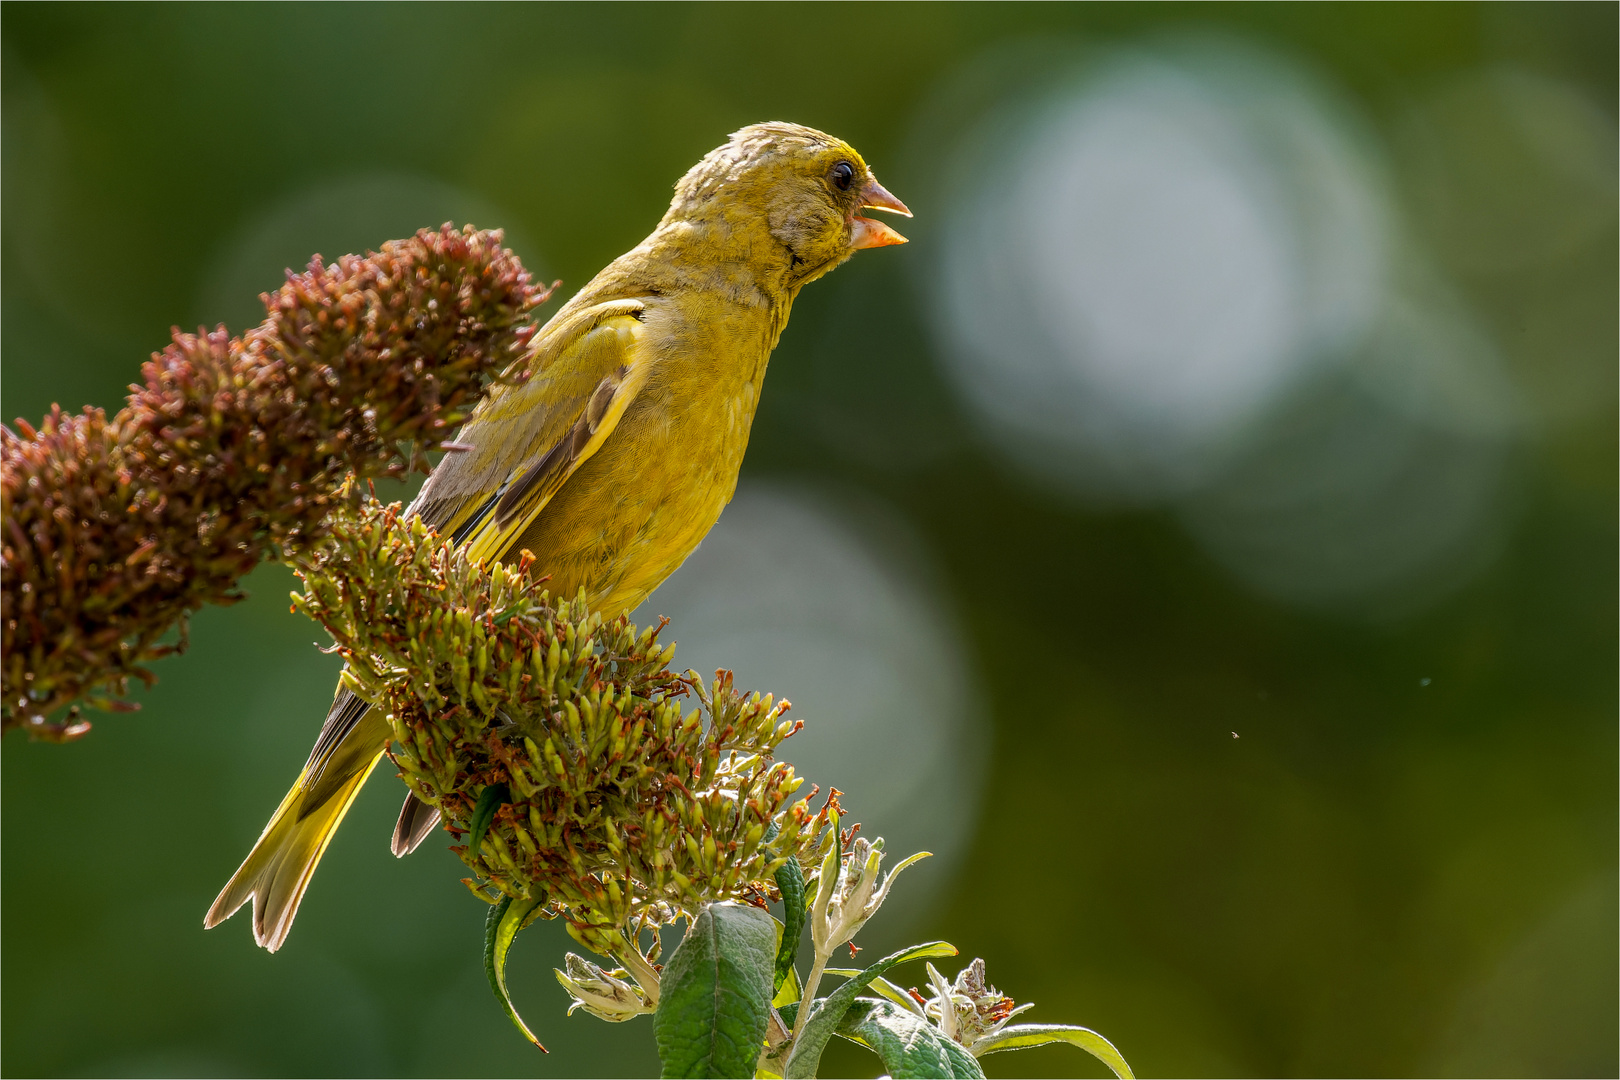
{"x": 826, "y": 1013}
{"x": 790, "y": 879}
{"x": 715, "y": 994}
{"x": 505, "y": 919}
{"x": 519, "y": 608}
{"x": 1020, "y": 1036}
{"x": 882, "y": 986}
{"x": 908, "y": 1044}
{"x": 491, "y": 799}
{"x": 789, "y": 992}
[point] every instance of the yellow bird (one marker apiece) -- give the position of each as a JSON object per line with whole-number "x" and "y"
{"x": 616, "y": 457}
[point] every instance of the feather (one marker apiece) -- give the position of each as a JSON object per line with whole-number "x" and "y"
{"x": 417, "y": 820}
{"x": 279, "y": 868}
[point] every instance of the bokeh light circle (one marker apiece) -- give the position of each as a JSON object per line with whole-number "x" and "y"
{"x": 1172, "y": 240}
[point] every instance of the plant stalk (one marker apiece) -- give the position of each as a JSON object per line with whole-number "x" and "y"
{"x": 808, "y": 999}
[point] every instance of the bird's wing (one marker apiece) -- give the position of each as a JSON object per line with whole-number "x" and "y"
{"x": 528, "y": 440}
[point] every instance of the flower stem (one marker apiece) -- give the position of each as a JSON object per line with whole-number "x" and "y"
{"x": 808, "y": 999}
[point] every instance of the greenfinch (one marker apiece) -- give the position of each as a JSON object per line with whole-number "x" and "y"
{"x": 617, "y": 455}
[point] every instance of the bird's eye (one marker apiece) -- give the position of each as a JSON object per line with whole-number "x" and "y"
{"x": 843, "y": 174}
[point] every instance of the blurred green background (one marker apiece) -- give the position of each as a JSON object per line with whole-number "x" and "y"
{"x": 1278, "y": 726}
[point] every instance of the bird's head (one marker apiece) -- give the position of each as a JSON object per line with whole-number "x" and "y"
{"x": 791, "y": 188}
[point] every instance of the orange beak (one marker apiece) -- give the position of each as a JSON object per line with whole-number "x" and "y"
{"x": 866, "y": 233}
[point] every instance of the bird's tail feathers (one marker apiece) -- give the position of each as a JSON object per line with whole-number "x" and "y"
{"x": 278, "y": 869}
{"x": 417, "y": 820}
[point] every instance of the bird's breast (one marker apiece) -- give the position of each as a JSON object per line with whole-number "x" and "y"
{"x": 633, "y": 513}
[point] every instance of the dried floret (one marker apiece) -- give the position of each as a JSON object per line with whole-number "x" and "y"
{"x": 558, "y": 743}
{"x": 232, "y": 451}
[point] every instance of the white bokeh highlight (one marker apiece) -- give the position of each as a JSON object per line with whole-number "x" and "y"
{"x": 1183, "y": 237}
{"x": 1181, "y": 275}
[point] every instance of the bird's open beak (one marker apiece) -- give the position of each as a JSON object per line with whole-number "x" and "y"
{"x": 866, "y": 233}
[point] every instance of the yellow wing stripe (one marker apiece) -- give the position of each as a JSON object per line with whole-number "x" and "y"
{"x": 486, "y": 535}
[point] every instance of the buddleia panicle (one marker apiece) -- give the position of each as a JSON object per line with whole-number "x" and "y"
{"x": 232, "y": 450}
{"x": 578, "y": 769}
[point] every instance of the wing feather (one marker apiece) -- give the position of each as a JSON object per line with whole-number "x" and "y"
{"x": 529, "y": 440}
{"x": 557, "y": 464}
{"x": 570, "y": 357}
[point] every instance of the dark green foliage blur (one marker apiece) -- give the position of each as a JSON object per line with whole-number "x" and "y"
{"x": 1235, "y": 837}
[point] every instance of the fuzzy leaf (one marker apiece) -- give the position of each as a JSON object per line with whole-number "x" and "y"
{"x": 790, "y": 879}
{"x": 829, "y": 1011}
{"x": 490, "y": 800}
{"x": 789, "y": 992}
{"x": 884, "y": 987}
{"x": 715, "y": 995}
{"x": 1021, "y": 1036}
{"x": 908, "y": 1045}
{"x": 505, "y": 919}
